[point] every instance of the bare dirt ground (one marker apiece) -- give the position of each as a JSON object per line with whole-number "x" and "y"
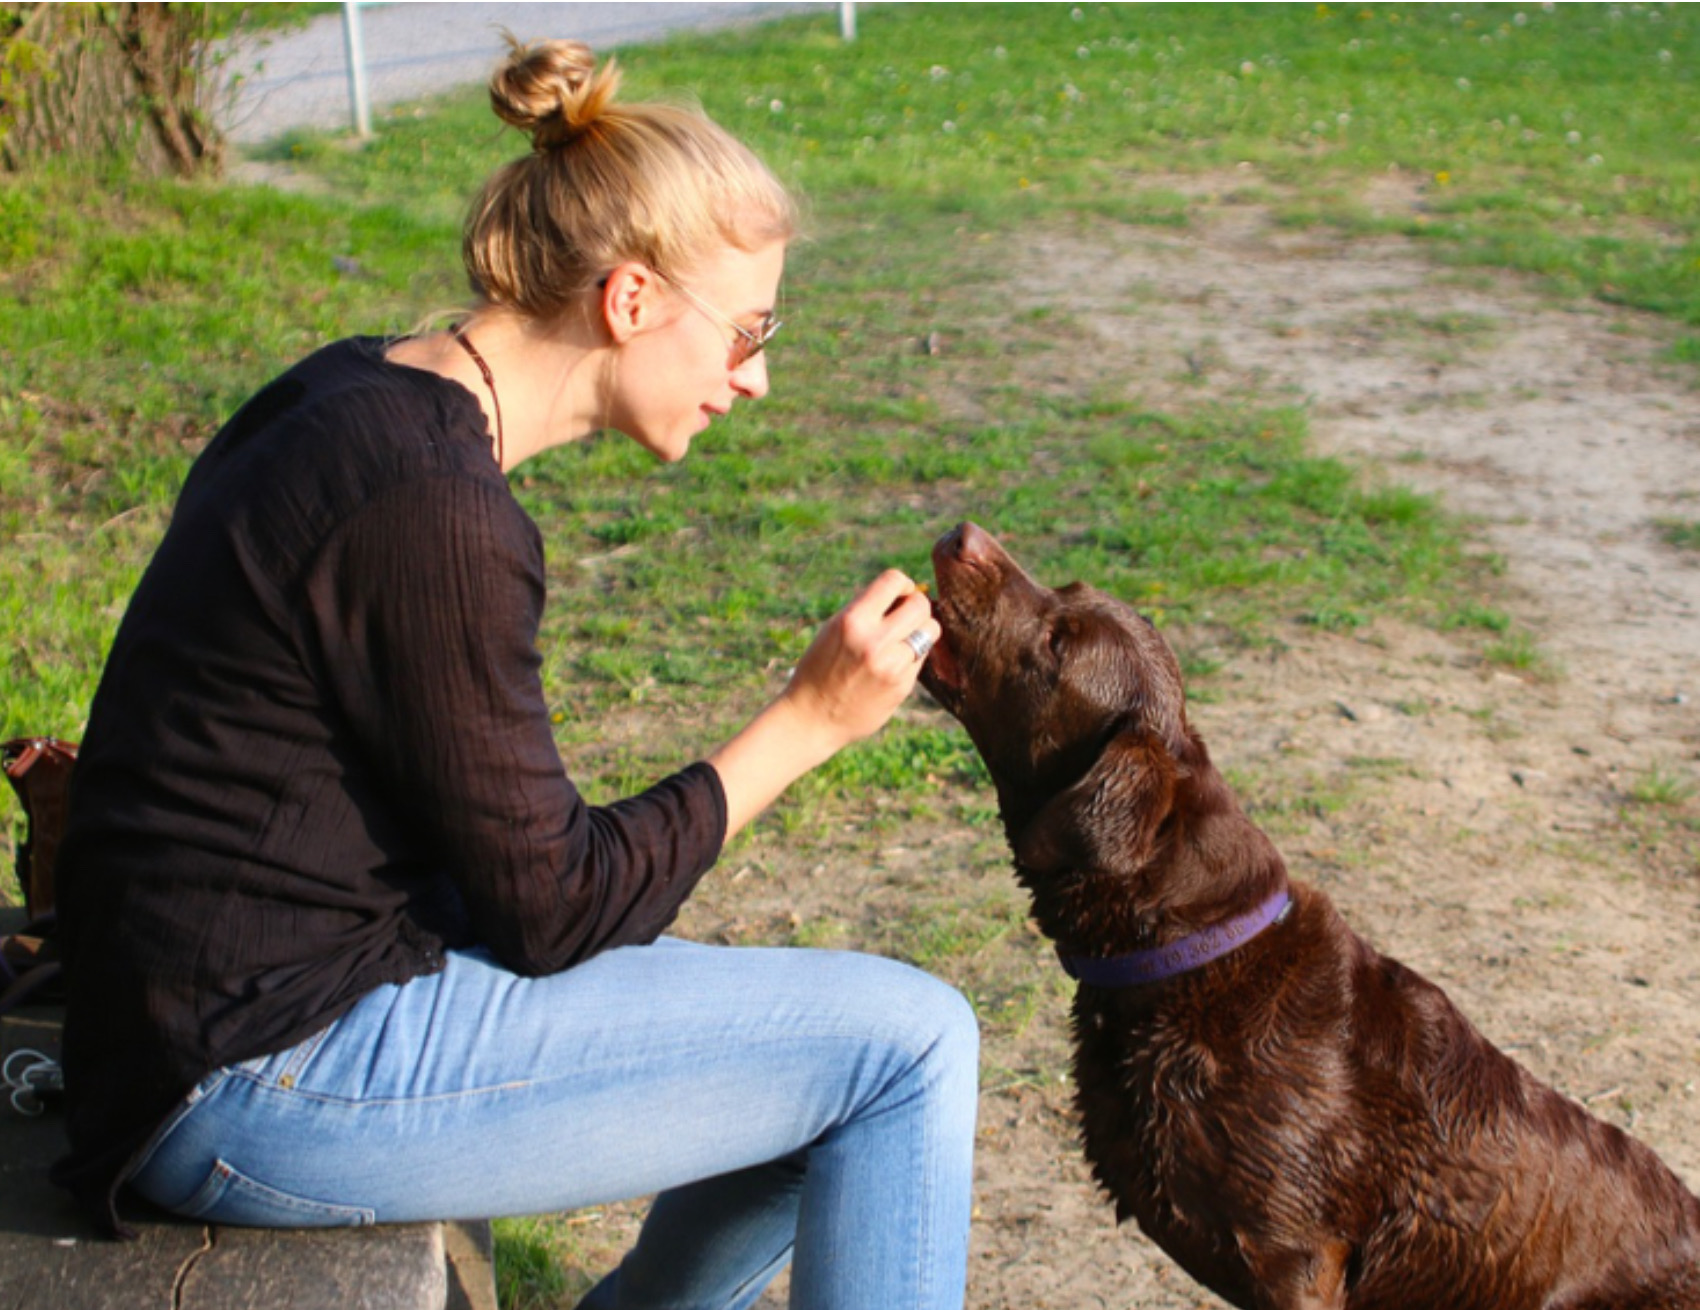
{"x": 1484, "y": 826}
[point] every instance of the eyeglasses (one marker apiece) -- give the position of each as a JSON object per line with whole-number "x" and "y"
{"x": 747, "y": 344}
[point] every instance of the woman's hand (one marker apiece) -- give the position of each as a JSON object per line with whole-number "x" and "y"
{"x": 860, "y": 666}
{"x": 850, "y": 681}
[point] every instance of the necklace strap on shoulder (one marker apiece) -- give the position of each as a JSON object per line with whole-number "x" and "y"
{"x": 458, "y": 332}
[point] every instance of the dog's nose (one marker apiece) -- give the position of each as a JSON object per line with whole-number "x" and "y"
{"x": 973, "y": 542}
{"x": 966, "y": 543}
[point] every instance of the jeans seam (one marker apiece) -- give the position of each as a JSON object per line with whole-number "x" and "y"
{"x": 301, "y": 1056}
{"x": 381, "y": 1102}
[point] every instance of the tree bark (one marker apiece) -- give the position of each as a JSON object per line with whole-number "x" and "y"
{"x": 92, "y": 79}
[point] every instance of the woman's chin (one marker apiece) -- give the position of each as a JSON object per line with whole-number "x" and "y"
{"x": 668, "y": 447}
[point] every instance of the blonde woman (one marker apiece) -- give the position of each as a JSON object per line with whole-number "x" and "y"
{"x": 346, "y": 944}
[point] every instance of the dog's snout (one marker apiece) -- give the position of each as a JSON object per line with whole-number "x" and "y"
{"x": 948, "y": 551}
{"x": 974, "y": 542}
{"x": 966, "y": 543}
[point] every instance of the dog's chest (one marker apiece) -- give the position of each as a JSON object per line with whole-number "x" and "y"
{"x": 1147, "y": 1108}
{"x": 1145, "y": 1095}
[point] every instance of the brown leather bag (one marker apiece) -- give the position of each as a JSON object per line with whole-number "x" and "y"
{"x": 39, "y": 769}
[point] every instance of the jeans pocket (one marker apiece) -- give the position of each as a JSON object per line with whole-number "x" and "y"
{"x": 162, "y": 1134}
{"x": 230, "y": 1197}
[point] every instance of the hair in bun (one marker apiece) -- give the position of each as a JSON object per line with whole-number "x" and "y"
{"x": 552, "y": 92}
{"x": 606, "y": 183}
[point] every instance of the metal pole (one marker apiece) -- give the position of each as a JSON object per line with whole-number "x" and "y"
{"x": 847, "y": 19}
{"x": 355, "y": 50}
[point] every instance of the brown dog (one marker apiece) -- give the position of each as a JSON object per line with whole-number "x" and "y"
{"x": 1296, "y": 1119}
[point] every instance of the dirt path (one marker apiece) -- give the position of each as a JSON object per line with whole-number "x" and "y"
{"x": 1479, "y": 825}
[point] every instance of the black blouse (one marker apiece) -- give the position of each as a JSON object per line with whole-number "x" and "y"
{"x": 320, "y": 755}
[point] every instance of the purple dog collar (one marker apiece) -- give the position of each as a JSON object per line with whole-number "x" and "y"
{"x": 1178, "y": 957}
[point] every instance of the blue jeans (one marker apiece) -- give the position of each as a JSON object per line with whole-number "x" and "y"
{"x": 780, "y": 1101}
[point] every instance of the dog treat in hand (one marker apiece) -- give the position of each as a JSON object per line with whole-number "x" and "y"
{"x": 919, "y": 589}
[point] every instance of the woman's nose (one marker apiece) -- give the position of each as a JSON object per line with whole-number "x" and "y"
{"x": 750, "y": 378}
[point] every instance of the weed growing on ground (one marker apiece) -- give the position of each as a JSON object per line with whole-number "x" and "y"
{"x": 1681, "y": 533}
{"x": 1518, "y": 651}
{"x": 1660, "y": 786}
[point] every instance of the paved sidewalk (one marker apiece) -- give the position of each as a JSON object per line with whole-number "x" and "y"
{"x": 300, "y": 79}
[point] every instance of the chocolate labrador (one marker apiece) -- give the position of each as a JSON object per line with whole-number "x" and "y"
{"x": 1296, "y": 1119}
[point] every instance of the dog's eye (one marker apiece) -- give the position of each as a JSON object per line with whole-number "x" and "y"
{"x": 1059, "y": 640}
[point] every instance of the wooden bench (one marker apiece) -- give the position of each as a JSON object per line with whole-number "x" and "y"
{"x": 50, "y": 1256}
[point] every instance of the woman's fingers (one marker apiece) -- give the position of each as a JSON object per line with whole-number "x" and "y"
{"x": 886, "y": 591}
{"x": 889, "y": 610}
{"x": 849, "y": 682}
{"x": 861, "y": 666}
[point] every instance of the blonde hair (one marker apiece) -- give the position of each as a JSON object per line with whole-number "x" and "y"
{"x": 606, "y": 183}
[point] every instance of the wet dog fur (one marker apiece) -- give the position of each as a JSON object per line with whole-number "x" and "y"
{"x": 1303, "y": 1123}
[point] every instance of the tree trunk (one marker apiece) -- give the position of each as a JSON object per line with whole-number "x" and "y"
{"x": 91, "y": 79}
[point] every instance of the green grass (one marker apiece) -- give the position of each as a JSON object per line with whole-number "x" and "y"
{"x": 1681, "y": 533}
{"x": 1517, "y": 651}
{"x": 130, "y": 328}
{"x": 226, "y": 19}
{"x": 136, "y": 315}
{"x": 1473, "y": 614}
{"x": 1660, "y": 786}
{"x": 532, "y": 1253}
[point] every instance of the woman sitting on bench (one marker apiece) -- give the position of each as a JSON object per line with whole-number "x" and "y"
{"x": 345, "y": 944}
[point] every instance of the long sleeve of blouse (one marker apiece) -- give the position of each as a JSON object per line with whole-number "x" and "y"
{"x": 424, "y": 611}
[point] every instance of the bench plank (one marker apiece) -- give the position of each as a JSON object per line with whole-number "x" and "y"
{"x": 392, "y": 1267}
{"x": 51, "y": 1256}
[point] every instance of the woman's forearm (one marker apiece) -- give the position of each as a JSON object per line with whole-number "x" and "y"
{"x": 850, "y": 681}
{"x": 778, "y": 746}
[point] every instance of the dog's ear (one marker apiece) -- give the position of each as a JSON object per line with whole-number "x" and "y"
{"x": 1109, "y": 819}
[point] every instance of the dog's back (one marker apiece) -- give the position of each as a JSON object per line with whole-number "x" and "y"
{"x": 1314, "y": 1117}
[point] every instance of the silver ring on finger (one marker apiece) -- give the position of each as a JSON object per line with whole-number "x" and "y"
{"x": 919, "y": 642}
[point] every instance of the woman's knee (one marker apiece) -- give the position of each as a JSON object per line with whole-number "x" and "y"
{"x": 925, "y": 1018}
{"x": 958, "y": 1027}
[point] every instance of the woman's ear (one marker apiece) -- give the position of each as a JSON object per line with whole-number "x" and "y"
{"x": 630, "y": 295}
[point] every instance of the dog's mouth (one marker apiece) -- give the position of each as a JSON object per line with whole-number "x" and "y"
{"x": 941, "y": 675}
